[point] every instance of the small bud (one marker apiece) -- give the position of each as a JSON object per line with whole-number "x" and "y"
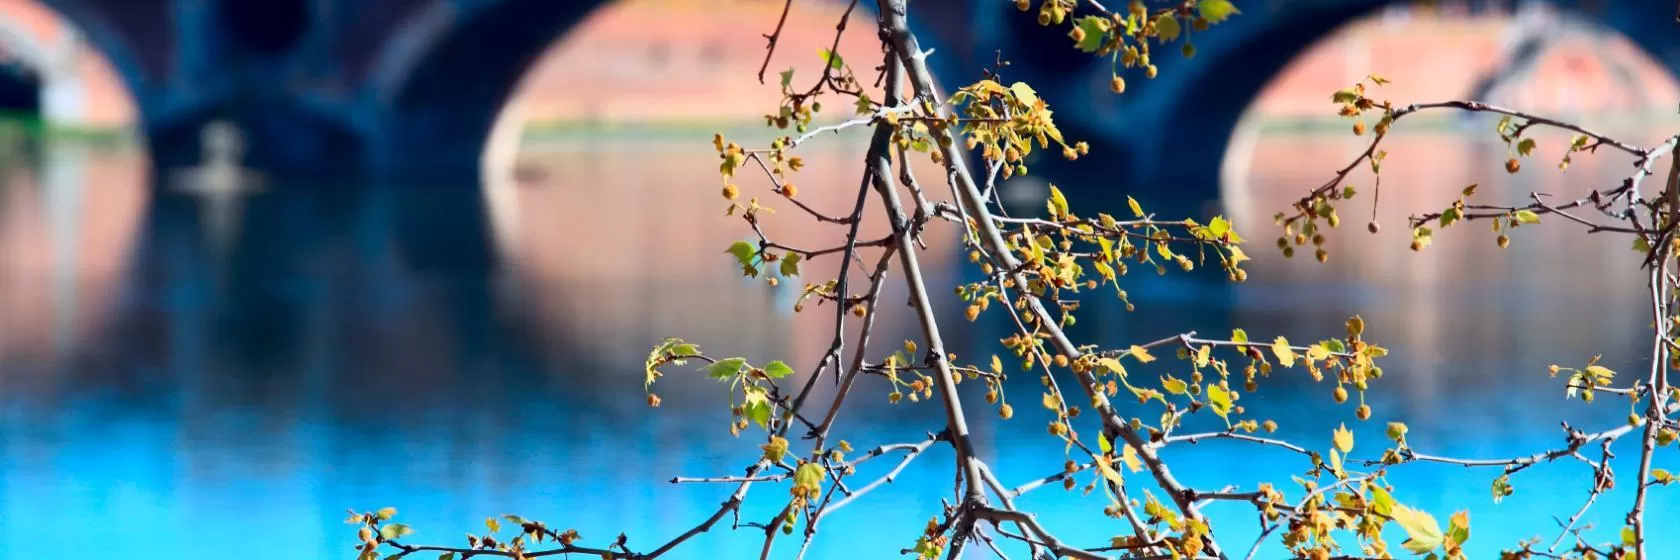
{"x": 1149, "y": 71}
{"x": 653, "y": 400}
{"x": 1006, "y": 412}
{"x": 972, "y": 313}
{"x": 1503, "y": 241}
{"x": 1270, "y": 426}
{"x": 789, "y": 191}
{"x": 1512, "y": 165}
{"x": 1359, "y": 128}
{"x": 1023, "y": 5}
{"x": 1189, "y": 50}
{"x": 1322, "y": 255}
{"x": 731, "y": 192}
{"x": 859, "y": 310}
{"x": 1363, "y": 412}
{"x": 1373, "y": 227}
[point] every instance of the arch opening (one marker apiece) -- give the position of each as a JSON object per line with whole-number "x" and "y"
{"x": 598, "y": 137}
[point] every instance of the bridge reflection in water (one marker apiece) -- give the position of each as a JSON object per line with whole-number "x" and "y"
{"x": 344, "y": 355}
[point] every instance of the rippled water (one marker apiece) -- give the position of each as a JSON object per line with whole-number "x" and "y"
{"x": 172, "y": 389}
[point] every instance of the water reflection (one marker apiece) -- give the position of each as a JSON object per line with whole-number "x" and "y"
{"x": 459, "y": 355}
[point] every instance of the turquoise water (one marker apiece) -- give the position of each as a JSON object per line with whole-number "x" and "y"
{"x": 173, "y": 386}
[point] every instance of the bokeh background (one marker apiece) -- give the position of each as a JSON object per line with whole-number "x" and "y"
{"x": 204, "y": 354}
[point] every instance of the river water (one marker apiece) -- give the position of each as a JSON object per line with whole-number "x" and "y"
{"x": 185, "y": 379}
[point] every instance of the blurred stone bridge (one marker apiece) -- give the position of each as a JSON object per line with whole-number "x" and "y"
{"x": 411, "y": 88}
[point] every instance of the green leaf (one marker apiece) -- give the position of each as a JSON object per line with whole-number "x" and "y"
{"x": 1423, "y": 533}
{"x": 1166, "y": 27}
{"x": 1528, "y": 217}
{"x": 777, "y": 370}
{"x": 1525, "y": 146}
{"x": 1344, "y": 96}
{"x": 725, "y": 368}
{"x": 1239, "y": 335}
{"x": 1641, "y": 245}
{"x": 446, "y": 556}
{"x": 394, "y": 531}
{"x": 1103, "y": 443}
{"x": 1220, "y": 399}
{"x": 744, "y": 252}
{"x": 1024, "y": 93}
{"x": 832, "y": 58}
{"x": 863, "y": 105}
{"x": 790, "y": 265}
{"x": 1381, "y": 502}
{"x": 757, "y": 407}
{"x": 1136, "y": 208}
{"x": 809, "y": 475}
{"x": 1096, "y": 33}
{"x": 1449, "y": 216}
{"x": 1216, "y": 11}
{"x": 1174, "y": 385}
{"x": 787, "y": 77}
{"x": 1058, "y": 204}
{"x": 1629, "y": 537}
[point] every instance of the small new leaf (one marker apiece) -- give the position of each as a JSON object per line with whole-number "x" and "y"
{"x": 1285, "y": 354}
{"x": 1528, "y": 217}
{"x": 777, "y": 370}
{"x": 1166, "y": 27}
{"x": 1216, "y": 11}
{"x": 1343, "y": 438}
{"x": 790, "y": 265}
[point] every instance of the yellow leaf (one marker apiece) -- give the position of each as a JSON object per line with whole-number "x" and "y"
{"x": 1317, "y": 353}
{"x": 1174, "y": 385}
{"x": 1051, "y": 402}
{"x": 1113, "y": 366}
{"x": 1058, "y": 204}
{"x": 1285, "y": 354}
{"x": 1423, "y": 532}
{"x": 1166, "y": 27}
{"x": 1141, "y": 354}
{"x": 1130, "y": 458}
{"x": 1202, "y": 356}
{"x": 1343, "y": 439}
{"x": 1136, "y": 209}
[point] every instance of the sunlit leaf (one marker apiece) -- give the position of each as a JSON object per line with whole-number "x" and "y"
{"x": 385, "y": 513}
{"x": 790, "y": 265}
{"x": 1343, "y": 438}
{"x": 1239, "y": 335}
{"x": 1136, "y": 208}
{"x": 757, "y": 407}
{"x": 1525, "y": 146}
{"x": 725, "y": 368}
{"x": 777, "y": 370}
{"x": 1103, "y": 444}
{"x": 394, "y": 531}
{"x": 1458, "y": 528}
{"x": 1130, "y": 458}
{"x": 1166, "y": 27}
{"x": 1024, "y": 93}
{"x": 1058, "y": 204}
{"x": 1528, "y": 217}
{"x": 1174, "y": 385}
{"x": 1285, "y": 354}
{"x": 1423, "y": 533}
{"x": 1141, "y": 354}
{"x": 743, "y": 251}
{"x": 1216, "y": 11}
{"x": 1219, "y": 399}
{"x": 809, "y": 475}
{"x": 1093, "y": 32}
{"x": 831, "y": 58}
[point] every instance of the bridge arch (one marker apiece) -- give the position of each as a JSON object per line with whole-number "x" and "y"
{"x": 56, "y": 74}
{"x": 1203, "y": 98}
{"x": 434, "y": 123}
